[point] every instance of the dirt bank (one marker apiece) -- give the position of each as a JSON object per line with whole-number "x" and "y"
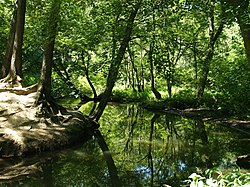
{"x": 24, "y": 131}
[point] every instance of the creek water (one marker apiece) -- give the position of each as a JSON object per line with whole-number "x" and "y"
{"x": 148, "y": 150}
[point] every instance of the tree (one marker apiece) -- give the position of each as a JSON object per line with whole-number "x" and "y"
{"x": 151, "y": 61}
{"x": 12, "y": 66}
{"x": 44, "y": 85}
{"x": 213, "y": 36}
{"x": 115, "y": 64}
{"x": 241, "y": 12}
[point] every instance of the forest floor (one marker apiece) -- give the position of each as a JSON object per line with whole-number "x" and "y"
{"x": 24, "y": 130}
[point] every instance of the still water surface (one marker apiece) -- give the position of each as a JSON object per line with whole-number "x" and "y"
{"x": 148, "y": 149}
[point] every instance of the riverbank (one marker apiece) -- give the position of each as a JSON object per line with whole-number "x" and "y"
{"x": 25, "y": 131}
{"x": 202, "y": 114}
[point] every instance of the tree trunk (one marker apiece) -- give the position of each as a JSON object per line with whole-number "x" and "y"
{"x": 169, "y": 80}
{"x": 9, "y": 49}
{"x": 241, "y": 12}
{"x": 86, "y": 70}
{"x": 16, "y": 56}
{"x": 19, "y": 35}
{"x": 134, "y": 70}
{"x": 44, "y": 87}
{"x": 244, "y": 23}
{"x": 115, "y": 64}
{"x": 210, "y": 53}
{"x": 151, "y": 63}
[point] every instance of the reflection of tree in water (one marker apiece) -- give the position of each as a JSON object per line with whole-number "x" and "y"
{"x": 132, "y": 115}
{"x": 166, "y": 150}
{"x": 148, "y": 150}
{"x": 150, "y": 157}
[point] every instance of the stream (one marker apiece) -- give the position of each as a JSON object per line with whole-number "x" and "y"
{"x": 148, "y": 149}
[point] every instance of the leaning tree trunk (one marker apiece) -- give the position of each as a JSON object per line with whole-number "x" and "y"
{"x": 213, "y": 36}
{"x": 44, "y": 86}
{"x": 17, "y": 31}
{"x": 115, "y": 64}
{"x": 86, "y": 70}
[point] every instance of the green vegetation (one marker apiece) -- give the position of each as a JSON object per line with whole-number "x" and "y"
{"x": 161, "y": 54}
{"x": 215, "y": 178}
{"x": 186, "y": 53}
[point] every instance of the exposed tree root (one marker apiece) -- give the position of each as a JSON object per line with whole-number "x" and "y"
{"x": 25, "y": 130}
{"x": 12, "y": 81}
{"x": 18, "y": 90}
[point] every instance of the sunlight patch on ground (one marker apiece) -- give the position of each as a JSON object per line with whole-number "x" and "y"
{"x": 16, "y": 136}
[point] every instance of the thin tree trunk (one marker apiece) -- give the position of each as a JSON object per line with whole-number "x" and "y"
{"x": 115, "y": 64}
{"x": 195, "y": 65}
{"x": 86, "y": 70}
{"x": 142, "y": 83}
{"x": 151, "y": 63}
{"x": 210, "y": 53}
{"x": 131, "y": 55}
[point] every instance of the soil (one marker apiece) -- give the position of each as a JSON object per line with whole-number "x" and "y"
{"x": 24, "y": 130}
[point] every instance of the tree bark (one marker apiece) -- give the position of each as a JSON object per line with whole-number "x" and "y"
{"x": 241, "y": 11}
{"x": 244, "y": 23}
{"x": 16, "y": 52}
{"x": 19, "y": 34}
{"x": 86, "y": 70}
{"x": 134, "y": 71}
{"x": 213, "y": 36}
{"x": 9, "y": 49}
{"x": 44, "y": 87}
{"x": 151, "y": 63}
{"x": 115, "y": 64}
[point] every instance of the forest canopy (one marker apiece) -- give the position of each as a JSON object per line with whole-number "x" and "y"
{"x": 188, "y": 53}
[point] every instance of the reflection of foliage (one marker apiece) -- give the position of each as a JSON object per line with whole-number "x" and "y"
{"x": 179, "y": 146}
{"x": 165, "y": 154}
{"x": 76, "y": 169}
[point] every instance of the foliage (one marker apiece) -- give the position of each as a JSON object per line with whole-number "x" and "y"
{"x": 89, "y": 34}
{"x": 215, "y": 178}
{"x": 130, "y": 95}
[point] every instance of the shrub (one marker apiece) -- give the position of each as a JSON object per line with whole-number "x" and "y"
{"x": 215, "y": 178}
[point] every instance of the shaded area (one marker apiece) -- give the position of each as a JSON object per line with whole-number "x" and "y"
{"x": 25, "y": 130}
{"x": 209, "y": 115}
{"x": 147, "y": 149}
